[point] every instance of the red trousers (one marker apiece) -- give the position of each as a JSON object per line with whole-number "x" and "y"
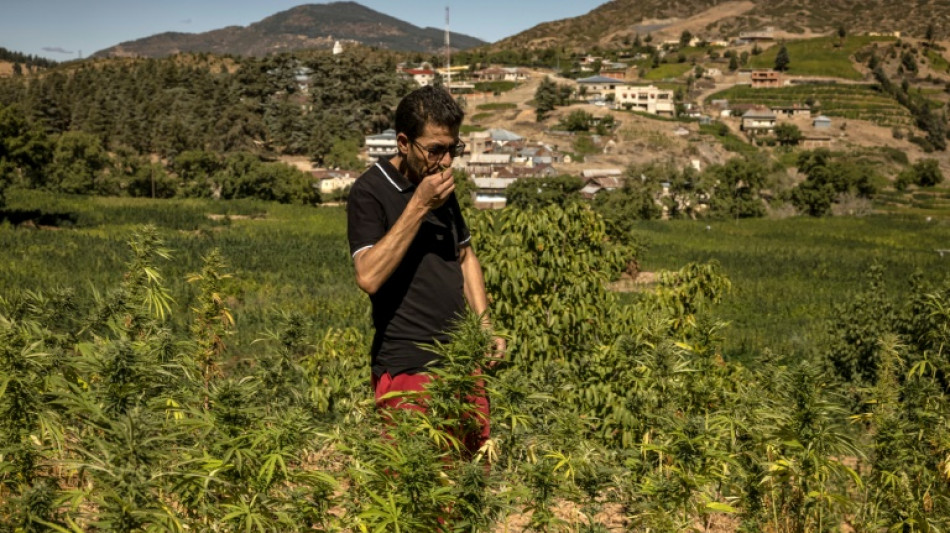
{"x": 386, "y": 384}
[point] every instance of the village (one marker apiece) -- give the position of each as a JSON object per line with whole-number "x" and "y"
{"x": 512, "y": 145}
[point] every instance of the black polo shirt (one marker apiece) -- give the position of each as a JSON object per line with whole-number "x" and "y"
{"x": 424, "y": 295}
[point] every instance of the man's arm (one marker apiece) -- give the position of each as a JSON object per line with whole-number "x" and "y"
{"x": 477, "y": 297}
{"x": 375, "y": 264}
{"x": 474, "y": 283}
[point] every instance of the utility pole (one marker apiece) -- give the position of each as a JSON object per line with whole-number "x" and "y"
{"x": 448, "y": 52}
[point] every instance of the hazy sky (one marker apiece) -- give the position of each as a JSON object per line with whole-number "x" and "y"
{"x": 65, "y": 29}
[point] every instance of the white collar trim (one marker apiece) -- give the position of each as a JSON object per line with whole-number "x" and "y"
{"x": 383, "y": 170}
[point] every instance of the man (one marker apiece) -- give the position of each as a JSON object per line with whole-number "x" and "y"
{"x": 411, "y": 248}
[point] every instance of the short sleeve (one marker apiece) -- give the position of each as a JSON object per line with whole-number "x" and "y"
{"x": 366, "y": 220}
{"x": 464, "y": 236}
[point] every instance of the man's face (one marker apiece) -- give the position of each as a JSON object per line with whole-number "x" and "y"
{"x": 428, "y": 153}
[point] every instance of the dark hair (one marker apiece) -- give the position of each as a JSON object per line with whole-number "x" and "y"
{"x": 427, "y": 105}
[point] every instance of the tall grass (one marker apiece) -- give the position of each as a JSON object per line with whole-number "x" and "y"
{"x": 821, "y": 56}
{"x": 789, "y": 274}
{"x": 281, "y": 256}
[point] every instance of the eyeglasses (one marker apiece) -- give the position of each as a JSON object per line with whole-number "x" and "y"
{"x": 437, "y": 152}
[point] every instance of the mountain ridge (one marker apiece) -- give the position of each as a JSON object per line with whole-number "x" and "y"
{"x": 614, "y": 23}
{"x": 301, "y": 27}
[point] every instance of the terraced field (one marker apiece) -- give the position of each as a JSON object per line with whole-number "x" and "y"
{"x": 854, "y": 102}
{"x": 933, "y": 202}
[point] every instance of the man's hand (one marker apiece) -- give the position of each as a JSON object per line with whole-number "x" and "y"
{"x": 497, "y": 354}
{"x": 435, "y": 189}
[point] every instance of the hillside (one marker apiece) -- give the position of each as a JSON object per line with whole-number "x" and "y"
{"x": 306, "y": 26}
{"x": 617, "y": 22}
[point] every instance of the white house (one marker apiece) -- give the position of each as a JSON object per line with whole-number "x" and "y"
{"x": 490, "y": 192}
{"x": 381, "y": 145}
{"x": 648, "y": 99}
{"x": 600, "y": 86}
{"x": 334, "y": 180}
{"x": 422, "y": 76}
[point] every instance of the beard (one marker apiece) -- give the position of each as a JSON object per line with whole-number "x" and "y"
{"x": 419, "y": 167}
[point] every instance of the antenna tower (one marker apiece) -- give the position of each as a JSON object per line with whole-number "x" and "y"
{"x": 448, "y": 52}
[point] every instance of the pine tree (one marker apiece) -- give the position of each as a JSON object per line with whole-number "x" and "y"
{"x": 781, "y": 59}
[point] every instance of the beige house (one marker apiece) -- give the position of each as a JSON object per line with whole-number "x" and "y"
{"x": 648, "y": 99}
{"x": 756, "y": 121}
{"x": 795, "y": 110}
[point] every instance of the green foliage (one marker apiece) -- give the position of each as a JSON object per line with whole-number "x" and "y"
{"x": 934, "y": 124}
{"x": 79, "y": 165}
{"x": 738, "y": 190}
{"x": 128, "y": 411}
{"x": 826, "y": 179}
{"x": 547, "y": 277}
{"x": 25, "y": 151}
{"x": 927, "y": 173}
{"x": 549, "y": 95}
{"x": 845, "y": 101}
{"x": 577, "y": 120}
{"x": 667, "y": 71}
{"x": 788, "y": 134}
{"x": 497, "y": 106}
{"x": 729, "y": 140}
{"x": 495, "y": 87}
{"x": 531, "y": 193}
{"x": 197, "y": 102}
{"x": 820, "y": 56}
{"x": 621, "y": 208}
{"x": 781, "y": 59}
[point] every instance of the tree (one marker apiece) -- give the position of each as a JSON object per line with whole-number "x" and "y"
{"x": 621, "y": 208}
{"x": 195, "y": 168}
{"x": 781, "y": 59}
{"x": 908, "y": 61}
{"x": 25, "y": 150}
{"x": 79, "y": 165}
{"x": 733, "y": 63}
{"x": 788, "y": 134}
{"x": 344, "y": 154}
{"x": 740, "y": 181}
{"x": 927, "y": 173}
{"x": 533, "y": 193}
{"x": 545, "y": 98}
{"x": 685, "y": 38}
{"x": 577, "y": 120}
{"x": 827, "y": 179}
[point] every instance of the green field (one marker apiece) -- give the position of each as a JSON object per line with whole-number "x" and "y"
{"x": 496, "y": 106}
{"x": 658, "y": 411}
{"x": 282, "y": 257}
{"x": 937, "y": 61}
{"x": 789, "y": 274}
{"x": 820, "y": 56}
{"x": 857, "y": 102}
{"x": 667, "y": 71}
{"x": 495, "y": 86}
